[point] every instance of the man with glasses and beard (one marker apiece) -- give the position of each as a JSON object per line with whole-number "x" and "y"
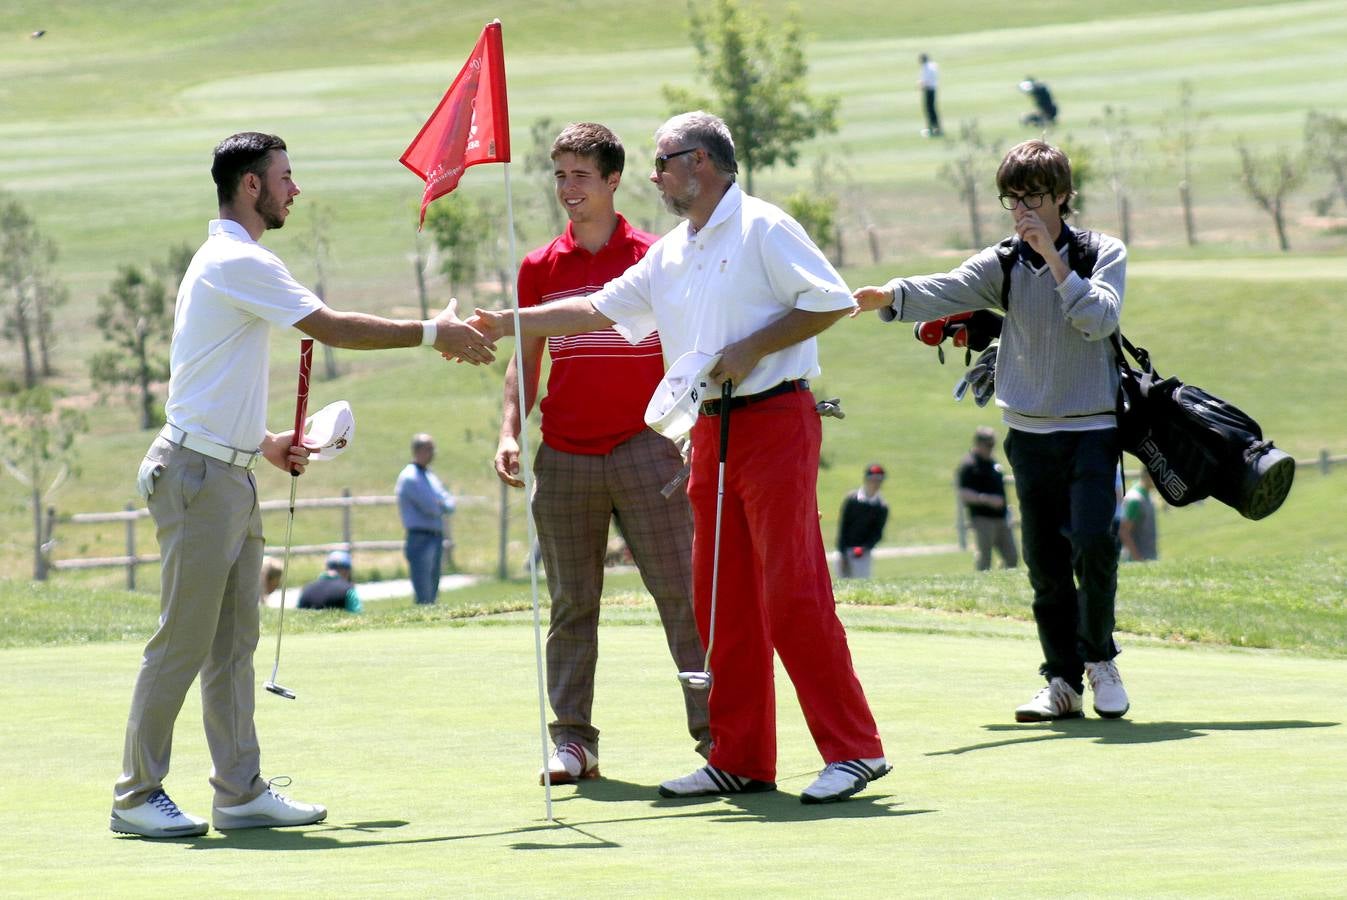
{"x": 197, "y": 480}
{"x": 740, "y": 278}
{"x": 1057, "y": 387}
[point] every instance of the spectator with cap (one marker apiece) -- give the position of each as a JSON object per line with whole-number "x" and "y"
{"x": 861, "y": 525}
{"x": 982, "y": 488}
{"x": 333, "y": 589}
{"x": 423, "y": 502}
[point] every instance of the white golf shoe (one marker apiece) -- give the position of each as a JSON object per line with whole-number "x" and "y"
{"x": 709, "y": 780}
{"x": 571, "y": 762}
{"x": 267, "y": 810}
{"x": 1110, "y": 698}
{"x": 839, "y": 780}
{"x": 158, "y": 817}
{"x": 1057, "y": 700}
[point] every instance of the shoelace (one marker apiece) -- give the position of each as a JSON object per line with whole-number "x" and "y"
{"x": 1105, "y": 673}
{"x": 164, "y": 803}
{"x": 283, "y": 781}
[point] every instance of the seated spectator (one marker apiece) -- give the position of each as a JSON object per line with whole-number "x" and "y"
{"x": 333, "y": 589}
{"x": 271, "y": 578}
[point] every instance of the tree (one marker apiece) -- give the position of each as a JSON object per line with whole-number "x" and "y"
{"x": 973, "y": 160}
{"x": 29, "y": 288}
{"x": 538, "y": 163}
{"x": 815, "y": 208}
{"x": 135, "y": 316}
{"x": 317, "y": 246}
{"x": 1326, "y": 148}
{"x": 758, "y": 79}
{"x": 37, "y": 447}
{"x": 1180, "y": 140}
{"x": 1268, "y": 180}
{"x": 1082, "y": 173}
{"x": 1122, "y": 151}
{"x": 461, "y": 228}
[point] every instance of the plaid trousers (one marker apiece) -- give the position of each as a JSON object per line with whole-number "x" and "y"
{"x": 575, "y": 497}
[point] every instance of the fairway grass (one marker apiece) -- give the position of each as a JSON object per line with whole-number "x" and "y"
{"x": 1225, "y": 779}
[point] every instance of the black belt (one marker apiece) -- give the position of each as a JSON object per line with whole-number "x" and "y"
{"x": 712, "y": 407}
{"x": 425, "y": 531}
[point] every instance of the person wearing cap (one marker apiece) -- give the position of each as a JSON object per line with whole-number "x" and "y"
{"x": 598, "y": 461}
{"x": 982, "y": 490}
{"x": 740, "y": 278}
{"x": 860, "y": 526}
{"x": 197, "y": 478}
{"x": 423, "y": 502}
{"x": 333, "y": 589}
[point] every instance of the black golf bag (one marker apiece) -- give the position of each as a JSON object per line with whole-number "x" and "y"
{"x": 1196, "y": 445}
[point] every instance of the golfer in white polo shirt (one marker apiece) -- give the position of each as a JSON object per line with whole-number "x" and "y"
{"x": 197, "y": 478}
{"x": 741, "y": 278}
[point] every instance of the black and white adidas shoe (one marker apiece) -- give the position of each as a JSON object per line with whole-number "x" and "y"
{"x": 839, "y": 780}
{"x": 710, "y": 780}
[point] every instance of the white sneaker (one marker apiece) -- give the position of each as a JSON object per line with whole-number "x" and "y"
{"x": 1057, "y": 700}
{"x": 570, "y": 762}
{"x": 839, "y": 780}
{"x": 710, "y": 780}
{"x": 268, "y": 810}
{"x": 1110, "y": 698}
{"x": 158, "y": 817}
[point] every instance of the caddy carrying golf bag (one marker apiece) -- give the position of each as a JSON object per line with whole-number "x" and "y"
{"x": 1196, "y": 445}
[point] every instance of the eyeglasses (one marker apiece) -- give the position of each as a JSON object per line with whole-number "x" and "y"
{"x": 1030, "y": 201}
{"x": 662, "y": 161}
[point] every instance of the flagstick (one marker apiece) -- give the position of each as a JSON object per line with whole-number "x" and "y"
{"x": 527, "y": 469}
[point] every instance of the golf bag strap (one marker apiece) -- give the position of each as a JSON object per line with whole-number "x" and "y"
{"x": 1082, "y": 254}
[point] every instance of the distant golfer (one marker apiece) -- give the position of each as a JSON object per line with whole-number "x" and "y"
{"x": 741, "y": 278}
{"x": 928, "y": 79}
{"x": 197, "y": 478}
{"x": 598, "y": 460}
{"x": 1057, "y": 386}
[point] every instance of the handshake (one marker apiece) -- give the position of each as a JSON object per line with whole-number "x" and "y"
{"x": 473, "y": 340}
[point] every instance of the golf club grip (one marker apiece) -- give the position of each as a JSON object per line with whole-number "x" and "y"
{"x": 302, "y": 393}
{"x": 726, "y": 389}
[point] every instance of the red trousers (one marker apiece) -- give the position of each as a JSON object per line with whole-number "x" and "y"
{"x": 775, "y": 591}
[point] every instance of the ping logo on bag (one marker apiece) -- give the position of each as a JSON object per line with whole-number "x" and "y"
{"x": 1165, "y": 478}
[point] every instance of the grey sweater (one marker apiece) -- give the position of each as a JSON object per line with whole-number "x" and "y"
{"x": 1055, "y": 369}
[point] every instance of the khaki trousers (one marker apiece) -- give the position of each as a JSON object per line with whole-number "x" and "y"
{"x": 210, "y": 540}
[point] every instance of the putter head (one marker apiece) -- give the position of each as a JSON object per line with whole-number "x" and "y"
{"x": 698, "y": 681}
{"x": 278, "y": 690}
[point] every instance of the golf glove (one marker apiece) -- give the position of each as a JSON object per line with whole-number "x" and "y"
{"x": 149, "y": 471}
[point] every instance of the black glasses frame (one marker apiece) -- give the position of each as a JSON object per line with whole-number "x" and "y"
{"x": 1030, "y": 201}
{"x": 662, "y": 161}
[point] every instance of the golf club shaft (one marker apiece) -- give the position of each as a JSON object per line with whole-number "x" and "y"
{"x": 726, "y": 389}
{"x": 301, "y": 407}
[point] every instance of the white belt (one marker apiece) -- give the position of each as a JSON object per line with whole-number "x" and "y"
{"x": 244, "y": 459}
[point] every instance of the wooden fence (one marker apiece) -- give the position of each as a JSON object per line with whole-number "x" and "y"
{"x": 133, "y": 558}
{"x": 346, "y": 503}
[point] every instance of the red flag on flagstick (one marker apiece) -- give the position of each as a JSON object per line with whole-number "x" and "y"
{"x": 470, "y": 126}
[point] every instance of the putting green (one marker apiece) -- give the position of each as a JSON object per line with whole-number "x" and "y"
{"x": 424, "y": 743}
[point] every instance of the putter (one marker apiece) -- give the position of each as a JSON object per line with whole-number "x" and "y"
{"x": 701, "y": 681}
{"x": 301, "y": 406}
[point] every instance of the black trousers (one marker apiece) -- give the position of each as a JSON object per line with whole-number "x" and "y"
{"x": 932, "y": 117}
{"x": 1065, "y": 481}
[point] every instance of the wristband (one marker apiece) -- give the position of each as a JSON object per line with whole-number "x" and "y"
{"x": 429, "y": 331}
